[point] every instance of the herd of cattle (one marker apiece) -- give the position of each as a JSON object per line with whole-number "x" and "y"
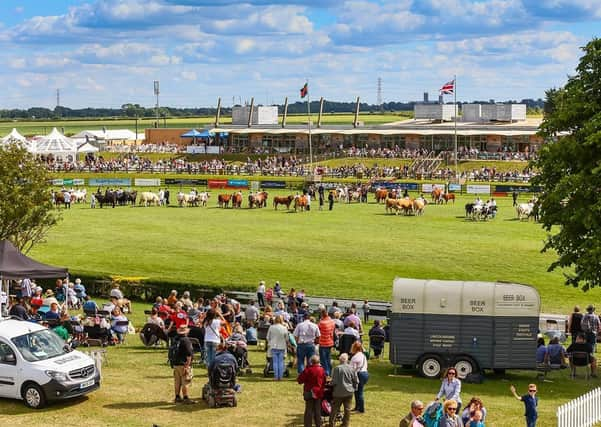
{"x": 394, "y": 202}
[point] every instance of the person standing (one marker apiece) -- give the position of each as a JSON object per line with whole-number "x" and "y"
{"x": 306, "y": 334}
{"x": 449, "y": 417}
{"x": 182, "y": 366}
{"x": 530, "y": 404}
{"x": 414, "y": 418}
{"x": 331, "y": 200}
{"x": 26, "y": 289}
{"x": 67, "y": 199}
{"x": 166, "y": 196}
{"x": 277, "y": 341}
{"x": 326, "y": 340}
{"x": 161, "y": 197}
{"x": 365, "y": 309}
{"x": 320, "y": 192}
{"x": 514, "y": 196}
{"x": 212, "y": 324}
{"x": 345, "y": 382}
{"x": 313, "y": 379}
{"x": 450, "y": 387}
{"x": 359, "y": 364}
{"x": 261, "y": 293}
{"x": 575, "y": 323}
{"x": 590, "y": 325}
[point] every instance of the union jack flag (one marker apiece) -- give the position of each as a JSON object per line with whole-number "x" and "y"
{"x": 448, "y": 88}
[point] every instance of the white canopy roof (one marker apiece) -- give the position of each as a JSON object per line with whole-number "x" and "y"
{"x": 55, "y": 143}
{"x": 107, "y": 135}
{"x": 87, "y": 148}
{"x": 14, "y": 137}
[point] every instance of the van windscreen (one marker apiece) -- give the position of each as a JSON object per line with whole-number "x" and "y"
{"x": 39, "y": 345}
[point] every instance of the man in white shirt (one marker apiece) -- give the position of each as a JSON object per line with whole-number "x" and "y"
{"x": 306, "y": 334}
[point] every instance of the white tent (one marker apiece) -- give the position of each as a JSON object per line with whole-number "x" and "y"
{"x": 14, "y": 137}
{"x": 57, "y": 144}
{"x": 87, "y": 148}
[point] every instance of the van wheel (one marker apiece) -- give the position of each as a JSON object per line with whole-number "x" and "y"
{"x": 430, "y": 366}
{"x": 465, "y": 365}
{"x": 33, "y": 396}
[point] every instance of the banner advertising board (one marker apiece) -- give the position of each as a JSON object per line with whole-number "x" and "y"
{"x": 410, "y": 186}
{"x": 428, "y": 188}
{"x": 67, "y": 182}
{"x": 330, "y": 185}
{"x": 183, "y": 181}
{"x": 109, "y": 182}
{"x": 237, "y": 183}
{"x": 202, "y": 149}
{"x": 454, "y": 187}
{"x": 273, "y": 184}
{"x": 478, "y": 189}
{"x": 517, "y": 188}
{"x": 141, "y": 182}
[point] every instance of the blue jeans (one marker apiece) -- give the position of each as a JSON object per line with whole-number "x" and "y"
{"x": 326, "y": 361}
{"x": 359, "y": 400}
{"x": 530, "y": 422}
{"x": 278, "y": 363}
{"x": 304, "y": 351}
{"x": 210, "y": 350}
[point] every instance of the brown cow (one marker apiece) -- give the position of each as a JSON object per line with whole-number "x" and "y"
{"x": 300, "y": 202}
{"x": 237, "y": 200}
{"x": 447, "y": 197}
{"x": 381, "y": 195}
{"x": 392, "y": 204}
{"x": 223, "y": 200}
{"x": 436, "y": 193}
{"x": 282, "y": 201}
{"x": 259, "y": 200}
{"x": 418, "y": 206}
{"x": 406, "y": 205}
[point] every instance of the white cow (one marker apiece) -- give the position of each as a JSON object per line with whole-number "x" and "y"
{"x": 148, "y": 198}
{"x": 524, "y": 210}
{"x": 203, "y": 198}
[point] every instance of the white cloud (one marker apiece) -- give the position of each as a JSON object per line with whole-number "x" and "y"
{"x": 188, "y": 75}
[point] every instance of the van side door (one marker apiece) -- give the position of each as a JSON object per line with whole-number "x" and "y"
{"x": 9, "y": 381}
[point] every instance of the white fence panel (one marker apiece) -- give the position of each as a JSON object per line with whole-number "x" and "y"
{"x": 584, "y": 411}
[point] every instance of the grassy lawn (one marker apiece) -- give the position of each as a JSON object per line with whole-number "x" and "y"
{"x": 71, "y": 127}
{"x": 353, "y": 251}
{"x": 137, "y": 391}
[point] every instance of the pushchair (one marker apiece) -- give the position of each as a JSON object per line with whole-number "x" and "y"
{"x": 220, "y": 390}
{"x": 239, "y": 351}
{"x": 326, "y": 404}
{"x": 268, "y": 369}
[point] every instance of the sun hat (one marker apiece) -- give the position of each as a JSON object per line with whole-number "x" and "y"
{"x": 49, "y": 292}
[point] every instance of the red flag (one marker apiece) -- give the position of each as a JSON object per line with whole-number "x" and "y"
{"x": 448, "y": 88}
{"x": 304, "y": 90}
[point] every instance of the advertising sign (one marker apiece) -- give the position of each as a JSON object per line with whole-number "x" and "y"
{"x": 428, "y": 188}
{"x": 180, "y": 181}
{"x": 141, "y": 182}
{"x": 109, "y": 182}
{"x": 519, "y": 188}
{"x": 273, "y": 184}
{"x": 478, "y": 189}
{"x": 454, "y": 187}
{"x": 237, "y": 183}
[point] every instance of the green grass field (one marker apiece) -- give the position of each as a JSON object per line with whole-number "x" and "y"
{"x": 353, "y": 251}
{"x": 71, "y": 127}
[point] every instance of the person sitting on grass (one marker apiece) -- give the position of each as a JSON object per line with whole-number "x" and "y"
{"x": 119, "y": 331}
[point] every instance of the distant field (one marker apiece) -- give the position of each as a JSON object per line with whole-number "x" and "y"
{"x": 353, "y": 251}
{"x": 72, "y": 127}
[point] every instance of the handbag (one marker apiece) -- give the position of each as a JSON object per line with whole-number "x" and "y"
{"x": 189, "y": 374}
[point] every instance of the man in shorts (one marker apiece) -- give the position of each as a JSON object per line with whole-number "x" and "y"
{"x": 182, "y": 366}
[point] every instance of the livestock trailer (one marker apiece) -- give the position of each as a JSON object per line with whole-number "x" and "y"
{"x": 469, "y": 325}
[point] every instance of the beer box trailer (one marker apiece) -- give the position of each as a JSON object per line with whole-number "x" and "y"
{"x": 435, "y": 324}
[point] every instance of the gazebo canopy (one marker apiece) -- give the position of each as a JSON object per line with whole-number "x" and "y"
{"x": 14, "y": 137}
{"x": 55, "y": 143}
{"x": 15, "y": 265}
{"x": 197, "y": 134}
{"x": 87, "y": 148}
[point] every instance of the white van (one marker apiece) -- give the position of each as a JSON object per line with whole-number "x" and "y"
{"x": 37, "y": 367}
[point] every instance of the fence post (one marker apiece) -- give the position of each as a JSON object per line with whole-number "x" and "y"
{"x": 584, "y": 411}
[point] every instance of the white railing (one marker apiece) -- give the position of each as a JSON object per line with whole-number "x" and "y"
{"x": 584, "y": 411}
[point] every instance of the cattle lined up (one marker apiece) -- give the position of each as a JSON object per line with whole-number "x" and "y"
{"x": 407, "y": 205}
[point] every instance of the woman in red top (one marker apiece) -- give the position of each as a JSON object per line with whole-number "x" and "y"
{"x": 313, "y": 379}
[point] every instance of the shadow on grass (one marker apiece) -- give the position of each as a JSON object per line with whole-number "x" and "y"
{"x": 16, "y": 407}
{"x": 200, "y": 405}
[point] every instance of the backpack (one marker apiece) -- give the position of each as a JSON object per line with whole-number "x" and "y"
{"x": 173, "y": 352}
{"x": 588, "y": 323}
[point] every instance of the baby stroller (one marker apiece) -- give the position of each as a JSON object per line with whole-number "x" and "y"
{"x": 239, "y": 351}
{"x": 326, "y": 404}
{"x": 220, "y": 390}
{"x": 268, "y": 370}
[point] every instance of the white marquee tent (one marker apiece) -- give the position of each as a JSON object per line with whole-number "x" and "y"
{"x": 14, "y": 137}
{"x": 57, "y": 144}
{"x": 87, "y": 148}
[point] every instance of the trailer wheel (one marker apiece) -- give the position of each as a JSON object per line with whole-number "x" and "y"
{"x": 430, "y": 366}
{"x": 465, "y": 365}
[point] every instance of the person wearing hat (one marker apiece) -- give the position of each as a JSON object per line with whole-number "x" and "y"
{"x": 590, "y": 325}
{"x": 37, "y": 298}
{"x": 186, "y": 301}
{"x": 182, "y": 366}
{"x": 277, "y": 289}
{"x": 49, "y": 298}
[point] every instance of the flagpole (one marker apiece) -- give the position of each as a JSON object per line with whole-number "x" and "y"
{"x": 309, "y": 126}
{"x": 456, "y": 111}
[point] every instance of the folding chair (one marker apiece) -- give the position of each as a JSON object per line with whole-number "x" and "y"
{"x": 580, "y": 359}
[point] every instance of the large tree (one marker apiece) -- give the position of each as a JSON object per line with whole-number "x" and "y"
{"x": 26, "y": 210}
{"x": 570, "y": 172}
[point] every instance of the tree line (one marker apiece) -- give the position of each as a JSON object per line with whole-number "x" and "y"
{"x": 130, "y": 110}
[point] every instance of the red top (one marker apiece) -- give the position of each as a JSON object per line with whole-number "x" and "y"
{"x": 179, "y": 318}
{"x": 326, "y": 329}
{"x": 313, "y": 378}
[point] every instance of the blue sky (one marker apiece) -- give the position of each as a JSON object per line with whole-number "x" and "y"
{"x": 104, "y": 53}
